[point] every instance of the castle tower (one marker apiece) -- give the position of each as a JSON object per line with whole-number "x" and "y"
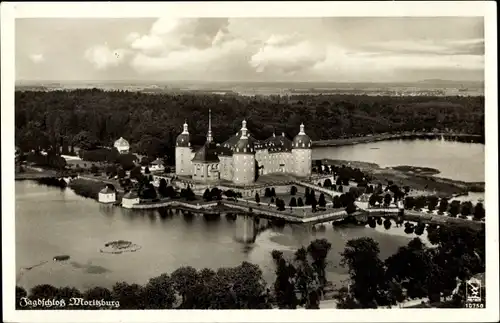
{"x": 244, "y": 158}
{"x": 183, "y": 164}
{"x": 302, "y": 153}
{"x": 209, "y": 133}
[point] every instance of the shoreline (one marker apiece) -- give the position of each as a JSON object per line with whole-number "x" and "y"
{"x": 425, "y": 180}
{"x": 408, "y": 136}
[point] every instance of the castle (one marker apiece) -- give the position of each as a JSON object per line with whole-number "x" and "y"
{"x": 241, "y": 156}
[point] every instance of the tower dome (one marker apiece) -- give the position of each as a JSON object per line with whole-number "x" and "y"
{"x": 302, "y": 140}
{"x": 121, "y": 143}
{"x": 245, "y": 144}
{"x": 183, "y": 139}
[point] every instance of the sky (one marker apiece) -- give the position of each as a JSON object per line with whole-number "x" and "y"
{"x": 340, "y": 49}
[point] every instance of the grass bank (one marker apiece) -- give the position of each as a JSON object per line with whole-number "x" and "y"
{"x": 410, "y": 176}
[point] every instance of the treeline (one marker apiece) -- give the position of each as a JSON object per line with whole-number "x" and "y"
{"x": 415, "y": 271}
{"x": 54, "y": 120}
{"x": 241, "y": 287}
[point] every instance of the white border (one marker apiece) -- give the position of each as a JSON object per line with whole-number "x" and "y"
{"x": 249, "y": 9}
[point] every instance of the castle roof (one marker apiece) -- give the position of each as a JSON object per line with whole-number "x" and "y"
{"x": 276, "y": 144}
{"x": 121, "y": 143}
{"x": 207, "y": 153}
{"x": 183, "y": 138}
{"x": 302, "y": 140}
{"x": 107, "y": 190}
{"x": 130, "y": 195}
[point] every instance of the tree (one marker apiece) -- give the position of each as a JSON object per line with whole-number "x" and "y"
{"x": 190, "y": 196}
{"x": 318, "y": 250}
{"x": 280, "y": 204}
{"x": 127, "y": 161}
{"x": 94, "y": 169}
{"x": 136, "y": 173}
{"x": 162, "y": 188}
{"x": 111, "y": 170}
{"x": 159, "y": 292}
{"x": 206, "y": 195}
{"x": 350, "y": 208}
{"x": 170, "y": 192}
{"x": 366, "y": 270}
{"x": 300, "y": 202}
{"x": 293, "y": 202}
{"x": 293, "y": 190}
{"x": 147, "y": 191}
{"x": 454, "y": 208}
{"x": 314, "y": 203}
{"x": 100, "y": 293}
{"x": 336, "y": 202}
{"x": 257, "y": 198}
{"x": 284, "y": 288}
{"x": 387, "y": 199}
{"x": 410, "y": 267}
{"x": 409, "y": 202}
{"x": 466, "y": 208}
{"x": 328, "y": 183}
{"x": 130, "y": 296}
{"x": 121, "y": 172}
{"x": 479, "y": 212}
{"x": 322, "y": 201}
{"x": 443, "y": 205}
{"x": 432, "y": 202}
{"x": 216, "y": 194}
{"x": 85, "y": 140}
{"x": 44, "y": 291}
{"x": 185, "y": 280}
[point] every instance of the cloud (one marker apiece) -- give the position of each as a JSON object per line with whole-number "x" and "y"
{"x": 443, "y": 47}
{"x": 278, "y": 56}
{"x": 187, "y": 60}
{"x": 102, "y": 57}
{"x": 348, "y": 64}
{"x": 269, "y": 49}
{"x": 183, "y": 44}
{"x": 37, "y": 58}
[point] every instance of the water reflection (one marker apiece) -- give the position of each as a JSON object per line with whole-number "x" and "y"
{"x": 107, "y": 209}
{"x": 79, "y": 227}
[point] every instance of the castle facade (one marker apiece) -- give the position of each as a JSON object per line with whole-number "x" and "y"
{"x": 241, "y": 157}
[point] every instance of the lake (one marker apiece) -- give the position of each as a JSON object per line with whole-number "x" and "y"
{"x": 455, "y": 160}
{"x": 51, "y": 222}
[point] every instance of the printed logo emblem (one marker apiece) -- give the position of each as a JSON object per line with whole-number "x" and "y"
{"x": 473, "y": 290}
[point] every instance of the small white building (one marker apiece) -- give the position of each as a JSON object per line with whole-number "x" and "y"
{"x": 157, "y": 166}
{"x": 130, "y": 199}
{"x": 107, "y": 195}
{"x": 122, "y": 146}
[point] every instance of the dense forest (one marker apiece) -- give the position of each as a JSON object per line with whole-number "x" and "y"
{"x": 151, "y": 122}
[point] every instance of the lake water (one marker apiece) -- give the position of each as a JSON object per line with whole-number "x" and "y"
{"x": 51, "y": 222}
{"x": 454, "y": 160}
